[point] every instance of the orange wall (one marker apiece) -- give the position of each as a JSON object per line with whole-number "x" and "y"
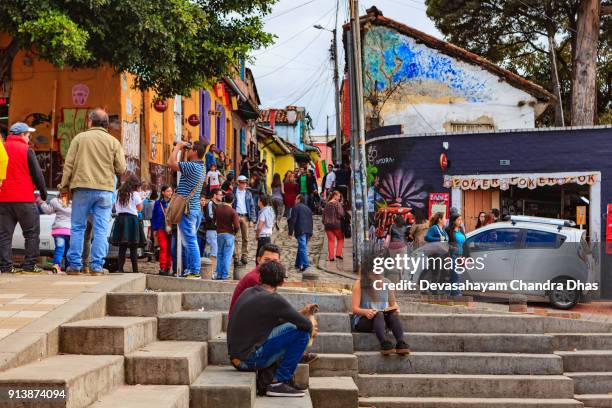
{"x": 60, "y": 98}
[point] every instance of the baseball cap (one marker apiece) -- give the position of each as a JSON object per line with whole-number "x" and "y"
{"x": 19, "y": 128}
{"x": 241, "y": 178}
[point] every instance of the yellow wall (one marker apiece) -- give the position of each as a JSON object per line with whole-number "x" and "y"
{"x": 284, "y": 164}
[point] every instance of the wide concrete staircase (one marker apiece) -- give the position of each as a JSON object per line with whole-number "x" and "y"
{"x": 168, "y": 349}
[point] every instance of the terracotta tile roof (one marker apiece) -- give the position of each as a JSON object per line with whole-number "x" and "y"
{"x": 281, "y": 116}
{"x": 376, "y": 17}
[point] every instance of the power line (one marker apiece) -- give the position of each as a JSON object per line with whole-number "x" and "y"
{"x": 309, "y": 26}
{"x": 423, "y": 117}
{"x": 289, "y": 10}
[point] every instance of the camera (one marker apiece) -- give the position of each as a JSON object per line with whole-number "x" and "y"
{"x": 186, "y": 146}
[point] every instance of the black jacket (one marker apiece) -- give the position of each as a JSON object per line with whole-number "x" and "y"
{"x": 300, "y": 222}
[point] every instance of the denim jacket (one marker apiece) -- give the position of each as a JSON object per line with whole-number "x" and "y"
{"x": 250, "y": 204}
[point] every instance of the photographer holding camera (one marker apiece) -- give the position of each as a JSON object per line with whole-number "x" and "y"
{"x": 190, "y": 186}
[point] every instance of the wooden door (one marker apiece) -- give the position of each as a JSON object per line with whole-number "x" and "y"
{"x": 475, "y": 201}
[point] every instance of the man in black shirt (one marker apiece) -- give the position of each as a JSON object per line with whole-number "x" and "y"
{"x": 255, "y": 340}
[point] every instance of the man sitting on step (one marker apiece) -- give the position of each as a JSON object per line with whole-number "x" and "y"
{"x": 255, "y": 340}
{"x": 267, "y": 253}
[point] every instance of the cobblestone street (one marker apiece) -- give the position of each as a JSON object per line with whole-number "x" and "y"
{"x": 288, "y": 246}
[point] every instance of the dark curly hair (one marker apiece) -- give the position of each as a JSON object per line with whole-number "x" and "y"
{"x": 131, "y": 184}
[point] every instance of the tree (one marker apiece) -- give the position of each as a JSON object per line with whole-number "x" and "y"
{"x": 527, "y": 37}
{"x": 172, "y": 46}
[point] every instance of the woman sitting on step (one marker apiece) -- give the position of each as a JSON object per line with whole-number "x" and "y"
{"x": 375, "y": 309}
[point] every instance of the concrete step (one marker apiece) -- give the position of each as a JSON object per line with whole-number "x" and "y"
{"x": 582, "y": 341}
{"x": 438, "y": 402}
{"x": 222, "y": 387}
{"x": 465, "y": 385}
{"x": 328, "y": 322}
{"x": 83, "y": 378}
{"x": 334, "y": 365}
{"x": 275, "y": 402}
{"x": 146, "y": 396}
{"x": 586, "y": 360}
{"x": 220, "y": 301}
{"x": 333, "y": 392}
{"x": 592, "y": 382}
{"x": 149, "y": 304}
{"x": 460, "y": 363}
{"x": 107, "y": 335}
{"x": 595, "y": 400}
{"x": 471, "y": 323}
{"x": 166, "y": 363}
{"x": 328, "y": 343}
{"x": 459, "y": 342}
{"x": 189, "y": 326}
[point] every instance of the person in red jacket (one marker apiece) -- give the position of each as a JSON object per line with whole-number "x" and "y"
{"x": 267, "y": 253}
{"x": 17, "y": 201}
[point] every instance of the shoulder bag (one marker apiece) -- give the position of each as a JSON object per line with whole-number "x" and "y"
{"x": 179, "y": 205}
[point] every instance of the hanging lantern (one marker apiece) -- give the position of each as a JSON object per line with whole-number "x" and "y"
{"x": 193, "y": 120}
{"x": 443, "y": 162}
{"x": 160, "y": 105}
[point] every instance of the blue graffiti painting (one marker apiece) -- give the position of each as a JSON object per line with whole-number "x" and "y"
{"x": 391, "y": 57}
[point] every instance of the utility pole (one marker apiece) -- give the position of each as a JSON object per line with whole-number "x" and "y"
{"x": 358, "y": 159}
{"x": 326, "y": 139}
{"x": 337, "y": 98}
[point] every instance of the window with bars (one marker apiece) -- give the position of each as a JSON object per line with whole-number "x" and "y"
{"x": 471, "y": 127}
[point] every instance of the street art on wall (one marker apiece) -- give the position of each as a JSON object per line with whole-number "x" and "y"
{"x": 80, "y": 93}
{"x": 130, "y": 138}
{"x": 399, "y": 72}
{"x": 51, "y": 165}
{"x": 155, "y": 144}
{"x": 74, "y": 121}
{"x": 391, "y": 178}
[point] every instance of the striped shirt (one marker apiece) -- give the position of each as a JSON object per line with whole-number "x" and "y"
{"x": 191, "y": 174}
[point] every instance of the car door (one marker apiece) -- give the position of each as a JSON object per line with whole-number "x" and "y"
{"x": 540, "y": 258}
{"x": 496, "y": 249}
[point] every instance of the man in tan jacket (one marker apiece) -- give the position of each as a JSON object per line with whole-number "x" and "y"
{"x": 93, "y": 163}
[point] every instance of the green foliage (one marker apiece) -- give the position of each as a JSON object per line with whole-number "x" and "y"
{"x": 514, "y": 34}
{"x": 172, "y": 46}
{"x": 371, "y": 172}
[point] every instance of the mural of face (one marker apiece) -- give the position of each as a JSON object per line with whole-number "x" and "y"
{"x": 80, "y": 93}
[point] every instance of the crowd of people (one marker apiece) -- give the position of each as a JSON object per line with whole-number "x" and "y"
{"x": 219, "y": 210}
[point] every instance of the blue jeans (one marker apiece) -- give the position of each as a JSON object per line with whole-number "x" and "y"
{"x": 99, "y": 203}
{"x": 188, "y": 229}
{"x": 174, "y": 257}
{"x": 285, "y": 343}
{"x": 225, "y": 250}
{"x": 62, "y": 243}
{"x": 211, "y": 242}
{"x": 301, "y": 260}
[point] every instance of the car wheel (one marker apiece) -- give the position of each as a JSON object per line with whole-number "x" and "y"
{"x": 563, "y": 299}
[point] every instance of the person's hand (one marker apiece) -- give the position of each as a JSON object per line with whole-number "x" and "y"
{"x": 309, "y": 309}
{"x": 370, "y": 313}
{"x": 168, "y": 229}
{"x": 179, "y": 145}
{"x": 251, "y": 224}
{"x": 0, "y": 183}
{"x": 314, "y": 331}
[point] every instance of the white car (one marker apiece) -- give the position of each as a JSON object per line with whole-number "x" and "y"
{"x": 526, "y": 252}
{"x": 47, "y": 244}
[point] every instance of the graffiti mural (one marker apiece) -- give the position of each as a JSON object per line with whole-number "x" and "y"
{"x": 130, "y": 138}
{"x": 80, "y": 93}
{"x": 392, "y": 179}
{"x": 132, "y": 167}
{"x": 155, "y": 140}
{"x": 74, "y": 121}
{"x": 51, "y": 166}
{"x": 391, "y": 58}
{"x": 158, "y": 174}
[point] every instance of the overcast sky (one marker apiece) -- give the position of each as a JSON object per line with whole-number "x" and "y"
{"x": 296, "y": 70}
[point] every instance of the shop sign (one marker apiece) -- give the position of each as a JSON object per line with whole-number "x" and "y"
{"x": 439, "y": 202}
{"x": 504, "y": 183}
